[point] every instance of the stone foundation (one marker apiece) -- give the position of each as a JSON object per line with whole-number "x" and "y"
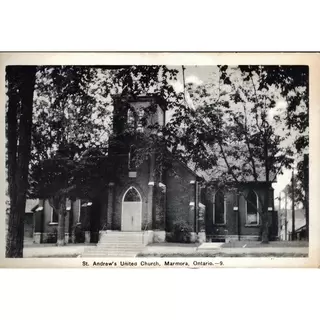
{"x": 46, "y": 237}
{"x": 159, "y": 236}
{"x": 193, "y": 237}
{"x": 201, "y": 237}
{"x": 148, "y": 237}
{"x": 233, "y": 238}
{"x": 37, "y": 237}
{"x": 87, "y": 237}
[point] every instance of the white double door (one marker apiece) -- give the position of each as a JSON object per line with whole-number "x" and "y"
{"x": 131, "y": 216}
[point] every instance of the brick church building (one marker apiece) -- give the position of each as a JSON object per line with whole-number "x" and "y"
{"x": 147, "y": 198}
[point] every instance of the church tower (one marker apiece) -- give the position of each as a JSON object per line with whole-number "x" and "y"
{"x": 136, "y": 192}
{"x": 134, "y": 121}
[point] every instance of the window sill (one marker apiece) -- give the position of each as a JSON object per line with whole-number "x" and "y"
{"x": 220, "y": 224}
{"x": 252, "y": 225}
{"x": 53, "y": 223}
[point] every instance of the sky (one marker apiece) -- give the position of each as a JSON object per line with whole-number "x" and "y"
{"x": 202, "y": 74}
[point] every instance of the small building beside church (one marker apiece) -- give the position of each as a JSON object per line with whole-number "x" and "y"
{"x": 146, "y": 195}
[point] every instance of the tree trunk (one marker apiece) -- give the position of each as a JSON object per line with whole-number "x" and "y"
{"x": 21, "y": 82}
{"x": 265, "y": 218}
{"x": 61, "y": 222}
{"x": 265, "y": 212}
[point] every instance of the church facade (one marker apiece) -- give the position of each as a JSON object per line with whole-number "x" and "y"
{"x": 148, "y": 197}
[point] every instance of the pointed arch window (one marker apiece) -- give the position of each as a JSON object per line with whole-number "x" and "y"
{"x": 131, "y": 118}
{"x": 135, "y": 118}
{"x": 219, "y": 208}
{"x": 54, "y": 215}
{"x": 132, "y": 158}
{"x": 132, "y": 195}
{"x": 252, "y": 208}
{"x": 84, "y": 208}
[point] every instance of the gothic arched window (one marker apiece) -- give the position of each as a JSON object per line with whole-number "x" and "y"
{"x": 252, "y": 205}
{"x": 131, "y": 119}
{"x": 132, "y": 195}
{"x": 219, "y": 214}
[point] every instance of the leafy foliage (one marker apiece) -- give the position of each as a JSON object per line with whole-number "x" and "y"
{"x": 233, "y": 134}
{"x": 72, "y": 127}
{"x": 181, "y": 232}
{"x": 300, "y": 184}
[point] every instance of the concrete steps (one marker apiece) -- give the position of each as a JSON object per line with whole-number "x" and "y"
{"x": 117, "y": 244}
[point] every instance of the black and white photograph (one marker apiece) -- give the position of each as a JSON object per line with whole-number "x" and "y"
{"x": 164, "y": 165}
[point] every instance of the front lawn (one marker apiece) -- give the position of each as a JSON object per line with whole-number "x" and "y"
{"x": 55, "y": 256}
{"x": 271, "y": 244}
{"x": 223, "y": 254}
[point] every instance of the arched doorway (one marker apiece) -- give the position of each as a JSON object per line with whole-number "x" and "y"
{"x": 131, "y": 210}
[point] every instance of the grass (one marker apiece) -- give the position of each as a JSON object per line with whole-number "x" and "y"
{"x": 74, "y": 255}
{"x": 221, "y": 254}
{"x": 271, "y": 244}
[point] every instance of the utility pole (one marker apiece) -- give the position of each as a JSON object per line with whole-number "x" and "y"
{"x": 279, "y": 201}
{"x": 285, "y": 216}
{"x": 184, "y": 85}
{"x": 279, "y": 216}
{"x": 293, "y": 235}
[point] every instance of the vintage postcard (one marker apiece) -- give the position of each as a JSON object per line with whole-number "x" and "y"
{"x": 194, "y": 160}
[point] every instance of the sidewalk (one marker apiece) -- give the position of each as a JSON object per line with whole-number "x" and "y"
{"x": 209, "y": 249}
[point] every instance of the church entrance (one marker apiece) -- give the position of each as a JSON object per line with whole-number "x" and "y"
{"x": 131, "y": 210}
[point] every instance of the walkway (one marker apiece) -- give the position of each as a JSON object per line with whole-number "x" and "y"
{"x": 249, "y": 248}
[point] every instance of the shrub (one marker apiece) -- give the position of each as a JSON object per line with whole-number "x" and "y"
{"x": 52, "y": 237}
{"x": 181, "y": 232}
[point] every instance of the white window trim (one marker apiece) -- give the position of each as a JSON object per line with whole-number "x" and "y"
{"x": 51, "y": 217}
{"x": 258, "y": 215}
{"x": 68, "y": 208}
{"x": 86, "y": 204}
{"x": 224, "y": 208}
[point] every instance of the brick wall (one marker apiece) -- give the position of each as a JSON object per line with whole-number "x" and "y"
{"x": 179, "y": 195}
{"x": 123, "y": 183}
{"x": 44, "y": 224}
{"x": 236, "y": 222}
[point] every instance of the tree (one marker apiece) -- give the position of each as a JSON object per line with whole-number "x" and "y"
{"x": 69, "y": 119}
{"x": 299, "y": 193}
{"x": 300, "y": 188}
{"x": 20, "y": 81}
{"x": 72, "y": 118}
{"x": 293, "y": 81}
{"x": 231, "y": 134}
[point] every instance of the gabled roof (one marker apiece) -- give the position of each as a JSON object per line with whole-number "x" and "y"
{"x": 214, "y": 173}
{"x": 31, "y": 204}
